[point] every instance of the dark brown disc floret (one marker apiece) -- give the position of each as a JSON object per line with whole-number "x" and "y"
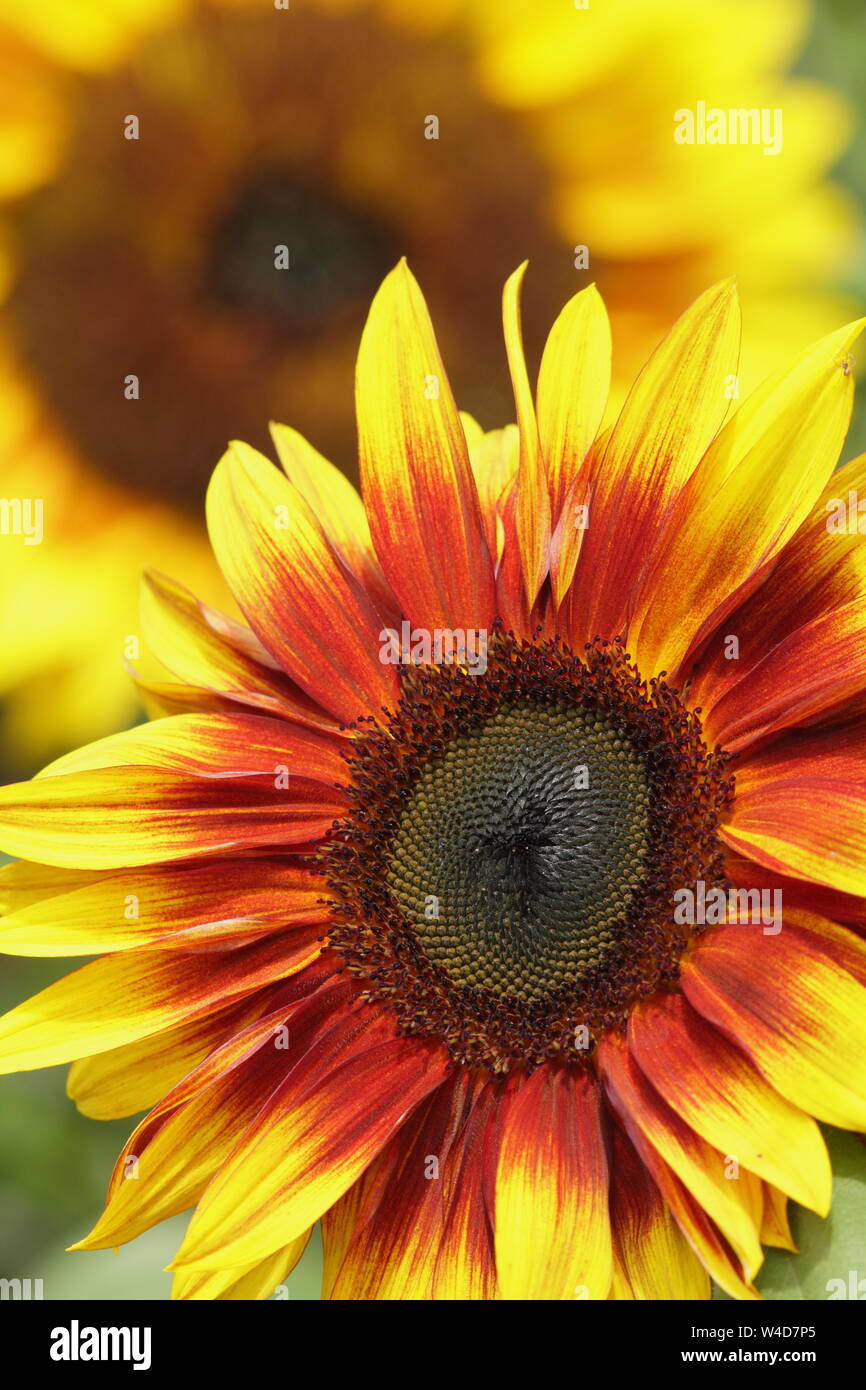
{"x": 505, "y": 880}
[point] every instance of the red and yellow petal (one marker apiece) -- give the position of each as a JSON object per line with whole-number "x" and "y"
{"x": 652, "y": 1260}
{"x": 135, "y": 994}
{"x": 311, "y": 1142}
{"x": 416, "y": 477}
{"x": 818, "y": 572}
{"x": 800, "y": 1017}
{"x": 799, "y": 808}
{"x": 842, "y": 946}
{"x": 211, "y": 652}
{"x": 174, "y": 1152}
{"x": 551, "y": 1218}
{"x": 180, "y": 906}
{"x": 126, "y": 817}
{"x": 753, "y": 488}
{"x": 494, "y": 457}
{"x": 670, "y": 417}
{"x": 797, "y": 893}
{"x": 466, "y": 1266}
{"x": 214, "y": 745}
{"x": 814, "y": 669}
{"x": 702, "y": 1168}
{"x": 338, "y": 507}
{"x": 384, "y": 1238}
{"x": 716, "y": 1090}
{"x": 311, "y": 614}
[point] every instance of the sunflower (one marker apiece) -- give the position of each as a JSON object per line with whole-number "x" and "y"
{"x": 550, "y": 129}
{"x": 394, "y": 900}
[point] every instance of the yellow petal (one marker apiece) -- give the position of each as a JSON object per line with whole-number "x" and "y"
{"x": 669, "y": 418}
{"x": 752, "y": 490}
{"x": 551, "y": 1223}
{"x": 135, "y": 994}
{"x": 337, "y": 506}
{"x": 533, "y": 497}
{"x": 253, "y": 1282}
{"x": 573, "y": 386}
{"x": 416, "y": 478}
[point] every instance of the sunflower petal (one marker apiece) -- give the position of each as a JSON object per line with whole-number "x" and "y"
{"x": 820, "y": 665}
{"x": 717, "y": 1091}
{"x": 465, "y": 1264}
{"x": 338, "y": 507}
{"x": 415, "y": 473}
{"x": 819, "y": 571}
{"x": 754, "y": 487}
{"x": 134, "y": 994}
{"x": 696, "y": 1163}
{"x": 293, "y": 589}
{"x": 214, "y": 745}
{"x": 397, "y": 1212}
{"x": 573, "y": 386}
{"x": 209, "y": 651}
{"x": 250, "y": 1282}
{"x": 800, "y": 1018}
{"x": 652, "y": 1258}
{"x": 309, "y": 1144}
{"x": 116, "y": 818}
{"x": 775, "y": 1228}
{"x": 126, "y": 1080}
{"x": 551, "y": 1218}
{"x": 669, "y": 418}
{"x": 183, "y": 905}
{"x": 799, "y": 808}
{"x": 174, "y": 1152}
{"x": 532, "y": 513}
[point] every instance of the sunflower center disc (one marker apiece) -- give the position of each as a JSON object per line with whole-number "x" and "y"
{"x": 521, "y": 848}
{"x": 505, "y": 880}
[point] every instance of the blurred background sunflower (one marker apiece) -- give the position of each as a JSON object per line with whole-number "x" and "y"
{"x": 198, "y": 199}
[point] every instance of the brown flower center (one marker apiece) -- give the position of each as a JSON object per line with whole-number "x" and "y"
{"x": 507, "y": 879}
